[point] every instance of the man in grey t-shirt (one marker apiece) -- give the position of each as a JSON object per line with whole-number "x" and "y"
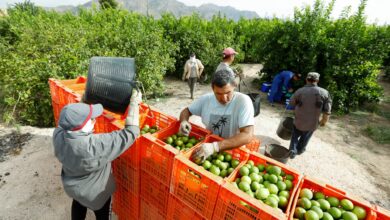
{"x": 228, "y": 58}
{"x": 225, "y": 112}
{"x": 309, "y": 101}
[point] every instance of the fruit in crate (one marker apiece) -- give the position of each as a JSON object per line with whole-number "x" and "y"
{"x": 149, "y": 129}
{"x": 182, "y": 142}
{"x": 316, "y": 205}
{"x": 220, "y": 164}
{"x": 266, "y": 183}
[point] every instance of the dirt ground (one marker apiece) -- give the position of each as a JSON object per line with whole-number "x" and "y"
{"x": 338, "y": 154}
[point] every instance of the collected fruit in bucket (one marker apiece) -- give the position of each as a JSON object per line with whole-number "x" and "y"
{"x": 221, "y": 164}
{"x": 149, "y": 129}
{"x": 182, "y": 142}
{"x": 316, "y": 205}
{"x": 267, "y": 183}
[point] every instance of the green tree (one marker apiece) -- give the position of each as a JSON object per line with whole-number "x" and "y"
{"x": 105, "y": 4}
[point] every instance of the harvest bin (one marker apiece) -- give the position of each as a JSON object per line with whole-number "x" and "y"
{"x": 233, "y": 203}
{"x": 381, "y": 213}
{"x": 157, "y": 157}
{"x": 328, "y": 190}
{"x": 178, "y": 210}
{"x": 197, "y": 187}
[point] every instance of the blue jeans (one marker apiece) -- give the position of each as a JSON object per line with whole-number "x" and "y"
{"x": 299, "y": 140}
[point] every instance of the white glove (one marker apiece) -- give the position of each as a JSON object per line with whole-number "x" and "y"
{"x": 201, "y": 153}
{"x": 185, "y": 128}
{"x": 136, "y": 97}
{"x": 133, "y": 114}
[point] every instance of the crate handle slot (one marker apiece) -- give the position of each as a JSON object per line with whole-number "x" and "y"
{"x": 194, "y": 174}
{"x": 249, "y": 207}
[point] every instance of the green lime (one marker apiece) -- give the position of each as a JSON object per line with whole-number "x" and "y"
{"x": 349, "y": 215}
{"x": 255, "y": 177}
{"x": 299, "y": 213}
{"x": 289, "y": 184}
{"x": 318, "y": 210}
{"x": 327, "y": 216}
{"x": 359, "y": 212}
{"x": 333, "y": 201}
{"x": 311, "y": 215}
{"x": 319, "y": 195}
{"x": 283, "y": 202}
{"x": 235, "y": 163}
{"x": 255, "y": 186}
{"x": 246, "y": 179}
{"x": 215, "y": 170}
{"x": 335, "y": 212}
{"x": 207, "y": 164}
{"x": 324, "y": 204}
{"x": 306, "y": 193}
{"x": 346, "y": 204}
{"x": 261, "y": 167}
{"x": 273, "y": 189}
{"x": 244, "y": 171}
{"x": 244, "y": 186}
{"x": 262, "y": 193}
{"x": 281, "y": 185}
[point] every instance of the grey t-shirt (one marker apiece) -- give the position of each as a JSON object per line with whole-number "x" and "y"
{"x": 223, "y": 65}
{"x": 309, "y": 102}
{"x": 224, "y": 120}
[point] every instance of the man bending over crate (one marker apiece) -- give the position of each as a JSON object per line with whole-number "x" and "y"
{"x": 225, "y": 112}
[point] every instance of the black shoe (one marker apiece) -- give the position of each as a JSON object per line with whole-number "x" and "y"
{"x": 301, "y": 152}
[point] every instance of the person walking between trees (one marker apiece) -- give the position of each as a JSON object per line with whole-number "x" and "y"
{"x": 282, "y": 79}
{"x": 225, "y": 112}
{"x": 193, "y": 69}
{"x": 228, "y": 58}
{"x": 309, "y": 101}
{"x": 86, "y": 157}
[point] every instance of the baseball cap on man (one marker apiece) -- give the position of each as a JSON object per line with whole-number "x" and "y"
{"x": 228, "y": 51}
{"x": 313, "y": 76}
{"x": 74, "y": 116}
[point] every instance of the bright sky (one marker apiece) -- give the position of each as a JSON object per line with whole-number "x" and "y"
{"x": 376, "y": 10}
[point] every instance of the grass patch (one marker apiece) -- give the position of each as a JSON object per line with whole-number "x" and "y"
{"x": 380, "y": 134}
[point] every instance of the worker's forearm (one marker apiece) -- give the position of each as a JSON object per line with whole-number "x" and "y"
{"x": 185, "y": 115}
{"x": 235, "y": 141}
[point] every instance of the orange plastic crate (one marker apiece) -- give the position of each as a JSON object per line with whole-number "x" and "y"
{"x": 54, "y": 91}
{"x": 156, "y": 157}
{"x": 153, "y": 191}
{"x": 125, "y": 173}
{"x": 328, "y": 190}
{"x": 197, "y": 187}
{"x": 125, "y": 204}
{"x": 381, "y": 213}
{"x": 157, "y": 118}
{"x": 177, "y": 210}
{"x": 231, "y": 200}
{"x": 253, "y": 145}
{"x": 150, "y": 212}
{"x": 56, "y": 111}
{"x": 196, "y": 132}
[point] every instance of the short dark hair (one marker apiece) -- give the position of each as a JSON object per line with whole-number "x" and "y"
{"x": 222, "y": 77}
{"x": 192, "y": 54}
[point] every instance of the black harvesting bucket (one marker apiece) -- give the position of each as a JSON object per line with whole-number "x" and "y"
{"x": 110, "y": 82}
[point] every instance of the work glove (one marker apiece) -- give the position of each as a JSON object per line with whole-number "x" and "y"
{"x": 185, "y": 128}
{"x": 133, "y": 113}
{"x": 201, "y": 153}
{"x": 324, "y": 120}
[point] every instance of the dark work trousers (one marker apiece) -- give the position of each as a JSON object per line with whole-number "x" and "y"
{"x": 191, "y": 84}
{"x": 299, "y": 140}
{"x": 79, "y": 211}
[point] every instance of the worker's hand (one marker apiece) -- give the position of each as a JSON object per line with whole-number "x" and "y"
{"x": 201, "y": 153}
{"x": 324, "y": 120}
{"x": 290, "y": 90}
{"x": 136, "y": 97}
{"x": 185, "y": 128}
